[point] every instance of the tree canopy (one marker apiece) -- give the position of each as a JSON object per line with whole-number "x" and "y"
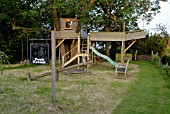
{"x": 38, "y": 15}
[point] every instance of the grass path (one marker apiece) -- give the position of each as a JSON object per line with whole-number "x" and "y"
{"x": 148, "y": 95}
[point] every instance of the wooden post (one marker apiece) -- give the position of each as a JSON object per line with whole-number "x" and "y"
{"x": 78, "y": 60}
{"x": 59, "y": 58}
{"x": 122, "y": 52}
{"x": 88, "y": 44}
{"x": 123, "y": 46}
{"x": 53, "y": 68}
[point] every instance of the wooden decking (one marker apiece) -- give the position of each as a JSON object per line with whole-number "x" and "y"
{"x": 135, "y": 35}
{"x": 116, "y": 36}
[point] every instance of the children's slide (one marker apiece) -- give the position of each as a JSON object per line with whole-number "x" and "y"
{"x": 104, "y": 56}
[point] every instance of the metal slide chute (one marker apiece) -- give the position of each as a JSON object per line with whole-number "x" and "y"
{"x": 104, "y": 56}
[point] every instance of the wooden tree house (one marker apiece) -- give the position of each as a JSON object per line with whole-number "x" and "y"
{"x": 69, "y": 42}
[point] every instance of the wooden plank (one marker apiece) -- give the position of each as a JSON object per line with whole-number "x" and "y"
{"x": 130, "y": 45}
{"x": 67, "y": 34}
{"x": 107, "y": 36}
{"x": 48, "y": 72}
{"x": 135, "y": 35}
{"x": 72, "y": 59}
{"x": 60, "y": 43}
{"x": 73, "y": 66}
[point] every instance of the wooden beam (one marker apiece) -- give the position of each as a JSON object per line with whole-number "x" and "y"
{"x": 135, "y": 35}
{"x": 60, "y": 43}
{"x": 28, "y": 29}
{"x": 107, "y": 36}
{"x": 130, "y": 45}
{"x": 73, "y": 58}
{"x": 122, "y": 52}
{"x": 78, "y": 49}
{"x": 47, "y": 73}
{"x": 73, "y": 66}
{"x": 38, "y": 75}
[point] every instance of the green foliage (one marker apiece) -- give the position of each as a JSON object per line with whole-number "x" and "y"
{"x": 154, "y": 43}
{"x": 23, "y": 13}
{"x": 166, "y": 59}
{"x": 3, "y": 60}
{"x": 156, "y": 58}
{"x": 166, "y": 71}
{"x": 113, "y": 13}
{"x": 39, "y": 14}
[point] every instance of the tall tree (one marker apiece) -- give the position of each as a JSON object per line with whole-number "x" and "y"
{"x": 109, "y": 15}
{"x": 19, "y": 14}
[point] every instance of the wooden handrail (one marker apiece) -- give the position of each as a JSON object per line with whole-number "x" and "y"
{"x": 66, "y": 54}
{"x": 60, "y": 43}
{"x": 70, "y": 50}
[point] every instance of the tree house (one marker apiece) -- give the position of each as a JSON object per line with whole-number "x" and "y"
{"x": 69, "y": 41}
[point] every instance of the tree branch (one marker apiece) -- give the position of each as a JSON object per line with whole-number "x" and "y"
{"x": 29, "y": 29}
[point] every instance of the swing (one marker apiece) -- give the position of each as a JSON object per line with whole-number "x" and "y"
{"x": 39, "y": 51}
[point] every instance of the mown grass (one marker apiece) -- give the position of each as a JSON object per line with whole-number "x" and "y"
{"x": 98, "y": 93}
{"x": 148, "y": 95}
{"x": 8, "y": 67}
{"x": 92, "y": 93}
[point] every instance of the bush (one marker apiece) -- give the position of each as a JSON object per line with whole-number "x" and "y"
{"x": 3, "y": 60}
{"x": 155, "y": 59}
{"x": 165, "y": 59}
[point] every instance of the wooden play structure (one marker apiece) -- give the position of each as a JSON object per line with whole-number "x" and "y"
{"x": 73, "y": 48}
{"x": 119, "y": 36}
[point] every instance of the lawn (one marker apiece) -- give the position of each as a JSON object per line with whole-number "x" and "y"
{"x": 144, "y": 91}
{"x": 148, "y": 95}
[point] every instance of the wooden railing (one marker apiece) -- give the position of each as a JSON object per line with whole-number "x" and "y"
{"x": 67, "y": 54}
{"x": 78, "y": 50}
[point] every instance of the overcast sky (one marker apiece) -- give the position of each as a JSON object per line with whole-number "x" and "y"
{"x": 163, "y": 17}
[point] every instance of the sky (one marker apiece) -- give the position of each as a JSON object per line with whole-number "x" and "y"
{"x": 163, "y": 18}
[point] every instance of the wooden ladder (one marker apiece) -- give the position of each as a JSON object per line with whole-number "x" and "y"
{"x": 84, "y": 46}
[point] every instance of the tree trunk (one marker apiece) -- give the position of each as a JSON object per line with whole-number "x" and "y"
{"x": 56, "y": 20}
{"x": 107, "y": 49}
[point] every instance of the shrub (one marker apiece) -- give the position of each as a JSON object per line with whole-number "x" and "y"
{"x": 155, "y": 59}
{"x": 3, "y": 60}
{"x": 165, "y": 59}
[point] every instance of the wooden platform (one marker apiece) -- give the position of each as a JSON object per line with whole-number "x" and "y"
{"x": 135, "y": 35}
{"x": 116, "y": 36}
{"x": 66, "y": 34}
